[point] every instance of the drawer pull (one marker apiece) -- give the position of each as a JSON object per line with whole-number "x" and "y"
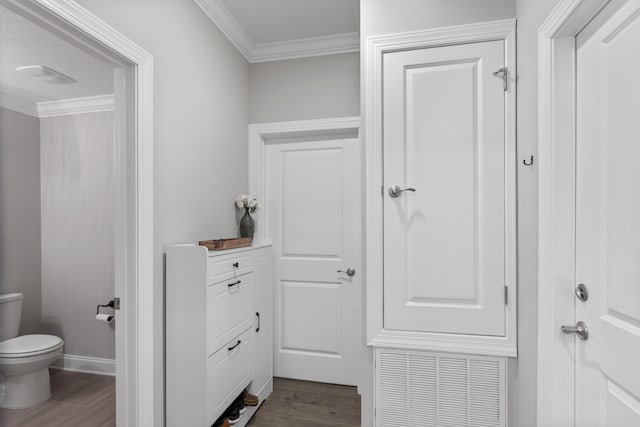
{"x": 236, "y": 264}
{"x": 234, "y": 346}
{"x": 234, "y": 283}
{"x": 258, "y": 315}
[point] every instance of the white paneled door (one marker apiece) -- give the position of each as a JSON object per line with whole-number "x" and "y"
{"x": 313, "y": 216}
{"x": 445, "y": 233}
{"x": 607, "y": 369}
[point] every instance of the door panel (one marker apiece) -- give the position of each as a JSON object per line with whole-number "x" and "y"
{"x": 608, "y": 209}
{"x": 313, "y": 216}
{"x": 444, "y": 244}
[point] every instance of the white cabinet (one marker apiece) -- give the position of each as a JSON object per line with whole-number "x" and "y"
{"x": 441, "y": 253}
{"x": 219, "y": 317}
{"x": 441, "y": 223}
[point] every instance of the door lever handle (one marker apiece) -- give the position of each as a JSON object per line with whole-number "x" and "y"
{"x": 396, "y": 191}
{"x": 350, "y": 271}
{"x": 580, "y": 330}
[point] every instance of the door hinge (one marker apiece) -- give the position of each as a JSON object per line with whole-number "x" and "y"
{"x": 503, "y": 73}
{"x": 116, "y": 303}
{"x": 506, "y": 295}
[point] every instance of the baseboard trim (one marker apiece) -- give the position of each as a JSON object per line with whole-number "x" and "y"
{"x": 89, "y": 365}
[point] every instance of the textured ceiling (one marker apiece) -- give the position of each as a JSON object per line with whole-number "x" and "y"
{"x": 283, "y": 20}
{"x": 24, "y": 43}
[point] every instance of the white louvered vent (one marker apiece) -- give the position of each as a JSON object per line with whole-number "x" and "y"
{"x": 419, "y": 389}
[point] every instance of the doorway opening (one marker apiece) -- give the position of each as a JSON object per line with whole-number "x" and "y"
{"x": 119, "y": 96}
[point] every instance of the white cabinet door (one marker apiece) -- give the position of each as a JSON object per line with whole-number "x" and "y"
{"x": 263, "y": 327}
{"x": 445, "y": 255}
{"x": 313, "y": 211}
{"x": 607, "y": 370}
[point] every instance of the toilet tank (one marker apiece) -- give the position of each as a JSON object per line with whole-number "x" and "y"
{"x": 10, "y": 314}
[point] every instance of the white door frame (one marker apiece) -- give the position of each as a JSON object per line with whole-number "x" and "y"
{"x": 133, "y": 190}
{"x": 259, "y": 135}
{"x": 556, "y": 206}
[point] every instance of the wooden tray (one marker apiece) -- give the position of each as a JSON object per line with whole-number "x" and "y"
{"x": 222, "y": 244}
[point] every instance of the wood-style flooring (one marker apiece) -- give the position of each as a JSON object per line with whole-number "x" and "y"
{"x": 85, "y": 400}
{"x": 77, "y": 400}
{"x": 306, "y": 404}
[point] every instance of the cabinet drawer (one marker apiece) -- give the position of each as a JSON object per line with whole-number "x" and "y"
{"x": 229, "y": 266}
{"x": 229, "y": 371}
{"x": 229, "y": 310}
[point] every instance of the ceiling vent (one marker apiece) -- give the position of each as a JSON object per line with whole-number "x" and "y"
{"x": 46, "y": 74}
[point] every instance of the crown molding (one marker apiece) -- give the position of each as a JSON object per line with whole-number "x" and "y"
{"x": 65, "y": 107}
{"x": 275, "y": 51}
{"x": 220, "y": 15}
{"x": 14, "y": 103}
{"x": 302, "y": 48}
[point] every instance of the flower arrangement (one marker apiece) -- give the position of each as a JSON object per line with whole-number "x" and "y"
{"x": 247, "y": 202}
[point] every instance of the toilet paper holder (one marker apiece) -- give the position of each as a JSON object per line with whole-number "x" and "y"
{"x": 113, "y": 304}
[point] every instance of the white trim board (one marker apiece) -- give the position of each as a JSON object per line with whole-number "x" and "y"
{"x": 133, "y": 205}
{"x": 89, "y": 365}
{"x": 66, "y": 107}
{"x": 556, "y": 206}
{"x": 60, "y": 107}
{"x": 375, "y": 48}
{"x": 263, "y": 52}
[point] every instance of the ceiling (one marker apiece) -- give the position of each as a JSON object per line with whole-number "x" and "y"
{"x": 268, "y": 30}
{"x": 25, "y": 43}
{"x": 284, "y": 20}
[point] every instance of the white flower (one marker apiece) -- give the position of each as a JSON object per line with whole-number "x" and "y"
{"x": 247, "y": 201}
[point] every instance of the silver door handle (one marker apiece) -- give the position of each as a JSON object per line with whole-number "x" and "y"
{"x": 350, "y": 272}
{"x": 395, "y": 191}
{"x": 580, "y": 330}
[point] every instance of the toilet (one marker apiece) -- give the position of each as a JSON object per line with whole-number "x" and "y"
{"x": 24, "y": 360}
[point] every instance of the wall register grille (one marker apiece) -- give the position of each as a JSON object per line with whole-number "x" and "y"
{"x": 419, "y": 389}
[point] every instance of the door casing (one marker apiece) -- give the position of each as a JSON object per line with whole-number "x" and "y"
{"x": 133, "y": 194}
{"x": 556, "y": 206}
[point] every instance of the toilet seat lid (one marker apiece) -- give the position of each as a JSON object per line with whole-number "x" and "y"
{"x": 28, "y": 345}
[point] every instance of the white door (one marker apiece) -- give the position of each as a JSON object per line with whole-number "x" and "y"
{"x": 313, "y": 214}
{"x": 444, "y": 137}
{"x": 607, "y": 364}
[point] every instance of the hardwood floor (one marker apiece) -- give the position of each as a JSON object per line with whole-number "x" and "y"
{"x": 77, "y": 400}
{"x": 84, "y": 400}
{"x": 306, "y": 404}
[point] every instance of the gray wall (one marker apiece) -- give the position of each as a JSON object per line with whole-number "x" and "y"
{"x": 307, "y": 88}
{"x": 531, "y": 14}
{"x": 379, "y": 17}
{"x": 77, "y": 230}
{"x": 200, "y": 129}
{"x": 384, "y": 16}
{"x": 20, "y": 213}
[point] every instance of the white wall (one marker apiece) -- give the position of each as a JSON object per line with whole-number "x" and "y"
{"x": 200, "y": 129}
{"x": 379, "y": 17}
{"x": 307, "y": 88}
{"x": 20, "y": 213}
{"x": 76, "y": 160}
